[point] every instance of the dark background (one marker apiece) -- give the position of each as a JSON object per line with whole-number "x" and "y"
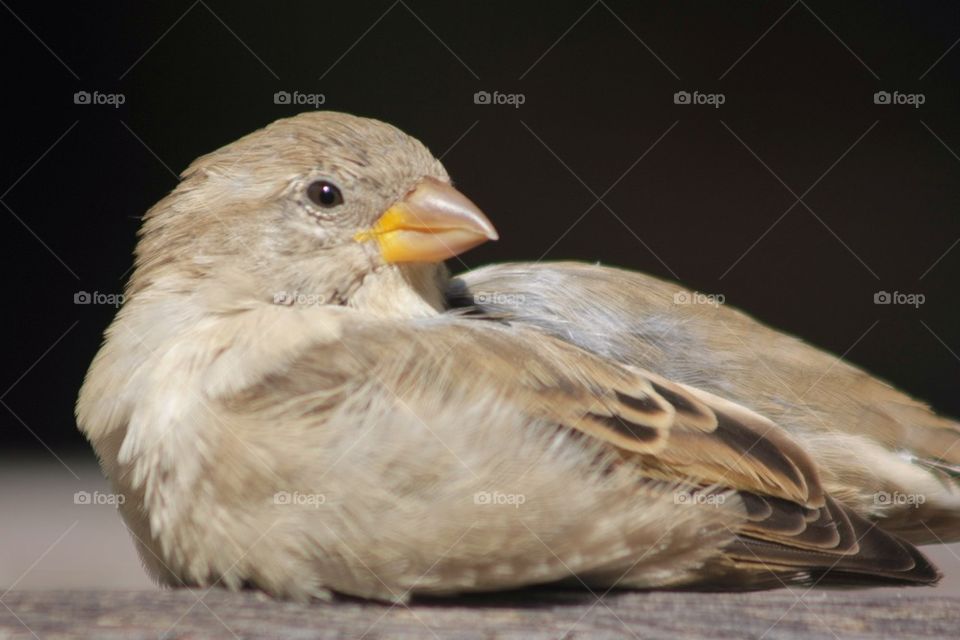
{"x": 798, "y": 80}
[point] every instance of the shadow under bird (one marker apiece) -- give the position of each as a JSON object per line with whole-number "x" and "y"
{"x": 298, "y": 397}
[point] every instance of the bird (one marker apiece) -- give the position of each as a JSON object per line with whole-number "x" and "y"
{"x": 297, "y": 396}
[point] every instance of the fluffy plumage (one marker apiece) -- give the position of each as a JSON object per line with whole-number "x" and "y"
{"x": 290, "y": 400}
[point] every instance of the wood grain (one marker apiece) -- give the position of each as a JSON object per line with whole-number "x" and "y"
{"x": 531, "y": 614}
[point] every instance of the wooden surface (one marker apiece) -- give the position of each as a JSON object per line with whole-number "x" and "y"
{"x": 106, "y": 615}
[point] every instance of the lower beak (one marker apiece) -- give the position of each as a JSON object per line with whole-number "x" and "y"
{"x": 432, "y": 223}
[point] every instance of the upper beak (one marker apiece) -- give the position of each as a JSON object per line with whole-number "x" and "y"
{"x": 432, "y": 223}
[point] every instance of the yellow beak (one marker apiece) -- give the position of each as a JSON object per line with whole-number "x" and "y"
{"x": 432, "y": 223}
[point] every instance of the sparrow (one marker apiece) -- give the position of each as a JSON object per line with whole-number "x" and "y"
{"x": 297, "y": 397}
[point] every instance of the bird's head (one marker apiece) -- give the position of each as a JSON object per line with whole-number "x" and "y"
{"x": 306, "y": 210}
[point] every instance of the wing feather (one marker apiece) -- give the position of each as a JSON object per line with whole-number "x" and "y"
{"x": 670, "y": 434}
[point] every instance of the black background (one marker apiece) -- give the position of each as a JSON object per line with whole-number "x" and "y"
{"x": 598, "y": 81}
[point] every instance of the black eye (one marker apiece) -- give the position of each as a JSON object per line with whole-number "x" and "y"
{"x": 324, "y": 194}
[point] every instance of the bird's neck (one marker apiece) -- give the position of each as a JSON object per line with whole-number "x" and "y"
{"x": 402, "y": 291}
{"x": 159, "y": 315}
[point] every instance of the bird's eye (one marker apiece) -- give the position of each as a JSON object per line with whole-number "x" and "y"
{"x": 324, "y": 194}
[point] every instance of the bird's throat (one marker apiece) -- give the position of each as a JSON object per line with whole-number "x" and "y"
{"x": 402, "y": 291}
